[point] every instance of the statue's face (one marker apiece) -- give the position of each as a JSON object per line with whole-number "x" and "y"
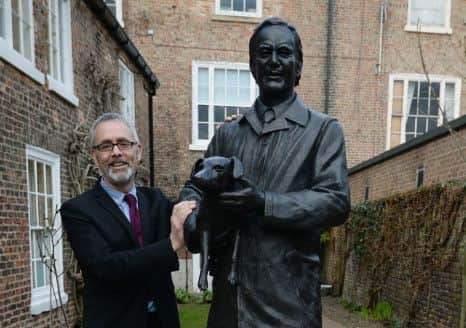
{"x": 275, "y": 65}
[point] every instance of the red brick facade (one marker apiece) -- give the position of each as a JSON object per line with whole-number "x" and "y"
{"x": 187, "y": 31}
{"x": 393, "y": 172}
{"x": 31, "y": 114}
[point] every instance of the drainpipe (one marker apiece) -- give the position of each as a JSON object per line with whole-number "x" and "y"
{"x": 150, "y": 94}
{"x": 328, "y": 59}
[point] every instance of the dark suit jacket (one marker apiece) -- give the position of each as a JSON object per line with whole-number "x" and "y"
{"x": 120, "y": 276}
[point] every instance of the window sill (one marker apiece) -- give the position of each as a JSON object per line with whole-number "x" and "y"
{"x": 43, "y": 302}
{"x": 236, "y": 19}
{"x": 198, "y": 147}
{"x": 426, "y": 29}
{"x": 61, "y": 90}
{"x": 20, "y": 62}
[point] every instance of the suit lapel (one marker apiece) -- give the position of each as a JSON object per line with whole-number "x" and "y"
{"x": 146, "y": 221}
{"x": 107, "y": 203}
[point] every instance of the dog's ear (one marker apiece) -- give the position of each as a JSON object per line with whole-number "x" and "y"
{"x": 197, "y": 166}
{"x": 238, "y": 169}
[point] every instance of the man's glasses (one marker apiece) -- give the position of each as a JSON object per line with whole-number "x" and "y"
{"x": 106, "y": 147}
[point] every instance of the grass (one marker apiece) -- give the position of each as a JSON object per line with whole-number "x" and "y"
{"x": 193, "y": 315}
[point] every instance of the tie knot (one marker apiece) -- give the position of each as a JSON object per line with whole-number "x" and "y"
{"x": 269, "y": 115}
{"x": 130, "y": 199}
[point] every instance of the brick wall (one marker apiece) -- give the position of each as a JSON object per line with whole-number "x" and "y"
{"x": 391, "y": 173}
{"x": 31, "y": 114}
{"x": 189, "y": 30}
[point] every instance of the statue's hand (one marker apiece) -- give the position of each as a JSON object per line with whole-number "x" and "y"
{"x": 245, "y": 201}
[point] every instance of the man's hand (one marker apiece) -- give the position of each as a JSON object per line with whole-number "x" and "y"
{"x": 245, "y": 201}
{"x": 179, "y": 214}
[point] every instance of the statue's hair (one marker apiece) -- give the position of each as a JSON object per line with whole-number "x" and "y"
{"x": 111, "y": 117}
{"x": 277, "y": 21}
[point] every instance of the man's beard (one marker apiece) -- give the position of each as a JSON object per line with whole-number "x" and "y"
{"x": 120, "y": 177}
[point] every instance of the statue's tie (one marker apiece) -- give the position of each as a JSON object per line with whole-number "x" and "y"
{"x": 134, "y": 217}
{"x": 269, "y": 115}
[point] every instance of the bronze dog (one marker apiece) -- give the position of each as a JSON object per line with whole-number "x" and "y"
{"x": 212, "y": 176}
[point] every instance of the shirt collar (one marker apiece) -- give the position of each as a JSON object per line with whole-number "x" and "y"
{"x": 293, "y": 109}
{"x": 116, "y": 195}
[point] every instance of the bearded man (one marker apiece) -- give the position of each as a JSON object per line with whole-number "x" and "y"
{"x": 124, "y": 237}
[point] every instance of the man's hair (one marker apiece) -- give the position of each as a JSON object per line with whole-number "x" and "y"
{"x": 272, "y": 21}
{"x": 111, "y": 117}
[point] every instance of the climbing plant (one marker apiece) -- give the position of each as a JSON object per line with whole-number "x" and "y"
{"x": 416, "y": 233}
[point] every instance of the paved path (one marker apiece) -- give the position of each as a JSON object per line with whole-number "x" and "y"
{"x": 329, "y": 323}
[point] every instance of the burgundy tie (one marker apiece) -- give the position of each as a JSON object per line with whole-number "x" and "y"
{"x": 135, "y": 217}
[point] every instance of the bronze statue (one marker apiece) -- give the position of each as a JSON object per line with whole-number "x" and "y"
{"x": 295, "y": 159}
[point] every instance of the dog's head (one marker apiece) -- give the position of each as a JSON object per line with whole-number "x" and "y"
{"x": 216, "y": 173}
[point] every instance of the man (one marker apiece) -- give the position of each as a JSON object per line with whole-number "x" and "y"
{"x": 124, "y": 237}
{"x": 295, "y": 158}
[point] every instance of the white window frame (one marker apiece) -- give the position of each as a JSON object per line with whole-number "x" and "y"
{"x": 118, "y": 11}
{"x": 41, "y": 298}
{"x": 63, "y": 86}
{"x": 127, "y": 105}
{"x": 7, "y": 51}
{"x": 446, "y": 29}
{"x": 201, "y": 144}
{"x": 406, "y": 78}
{"x": 258, "y": 13}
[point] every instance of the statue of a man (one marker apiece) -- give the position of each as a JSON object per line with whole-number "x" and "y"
{"x": 295, "y": 158}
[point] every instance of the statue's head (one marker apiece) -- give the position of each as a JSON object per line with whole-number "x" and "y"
{"x": 275, "y": 57}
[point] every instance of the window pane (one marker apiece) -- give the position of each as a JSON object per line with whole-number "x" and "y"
{"x": 34, "y": 270}
{"x": 40, "y": 177}
{"x": 251, "y": 5}
{"x": 203, "y": 131}
{"x": 16, "y": 21}
{"x": 40, "y": 274}
{"x": 433, "y": 110}
{"x": 203, "y": 85}
{"x": 232, "y": 111}
{"x": 398, "y": 88}
{"x": 219, "y": 114}
{"x": 26, "y": 26}
{"x": 410, "y": 124}
{"x": 2, "y": 18}
{"x": 433, "y": 123}
{"x": 41, "y": 214}
{"x": 397, "y": 106}
{"x": 413, "y": 107}
{"x": 48, "y": 180}
{"x": 430, "y": 13}
{"x": 219, "y": 77}
{"x": 244, "y": 96}
{"x": 232, "y": 97}
{"x": 232, "y": 78}
{"x": 112, "y": 6}
{"x": 219, "y": 95}
{"x": 423, "y": 106}
{"x": 394, "y": 140}
{"x": 32, "y": 210}
{"x": 435, "y": 90}
{"x": 203, "y": 113}
{"x": 225, "y": 4}
{"x": 396, "y": 124}
{"x": 238, "y": 5}
{"x": 449, "y": 106}
{"x": 50, "y": 210}
{"x": 409, "y": 137}
{"x": 421, "y": 125}
{"x": 423, "y": 89}
{"x": 35, "y": 246}
{"x": 31, "y": 180}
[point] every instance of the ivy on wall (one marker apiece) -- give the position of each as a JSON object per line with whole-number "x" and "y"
{"x": 415, "y": 233}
